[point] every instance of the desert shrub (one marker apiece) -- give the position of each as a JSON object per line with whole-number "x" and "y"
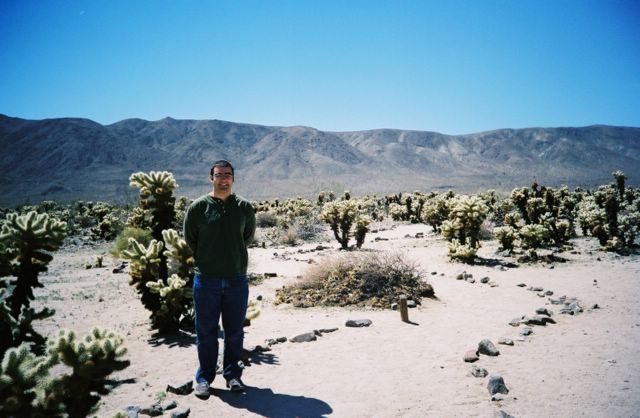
{"x": 465, "y": 219}
{"x": 143, "y": 236}
{"x": 533, "y": 236}
{"x": 266, "y": 219}
{"x": 365, "y": 279}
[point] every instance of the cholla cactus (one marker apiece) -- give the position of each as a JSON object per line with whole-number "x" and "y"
{"x": 176, "y": 299}
{"x": 25, "y": 241}
{"x": 140, "y": 218}
{"x": 398, "y": 212}
{"x": 156, "y": 195}
{"x": 144, "y": 269}
{"x": 436, "y": 210}
{"x": 535, "y": 208}
{"x": 533, "y": 236}
{"x": 590, "y": 215}
{"x": 506, "y": 235}
{"x": 108, "y": 228}
{"x": 29, "y": 389}
{"x": 620, "y": 179}
{"x": 512, "y": 219}
{"x": 179, "y": 255}
{"x": 21, "y": 375}
{"x": 520, "y": 196}
{"x": 468, "y": 213}
{"x": 462, "y": 252}
{"x": 341, "y": 215}
{"x": 91, "y": 360}
{"x": 362, "y": 227}
{"x": 629, "y": 227}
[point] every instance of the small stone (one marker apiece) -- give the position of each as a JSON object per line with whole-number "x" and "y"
{"x": 260, "y": 348}
{"x": 270, "y": 342}
{"x": 486, "y": 347}
{"x": 460, "y": 276}
{"x": 259, "y": 297}
{"x": 271, "y": 275}
{"x": 544, "y": 311}
{"x": 168, "y": 404}
{"x": 180, "y": 388}
{"x": 471, "y": 356}
{"x": 281, "y": 339}
{"x": 394, "y": 306}
{"x": 536, "y": 289}
{"x": 328, "y": 330}
{"x": 433, "y": 273}
{"x": 505, "y": 341}
{"x": 470, "y": 280}
{"x": 521, "y": 285}
{"x": 357, "y": 323}
{"x": 502, "y": 414}
{"x": 304, "y": 338}
{"x": 181, "y": 413}
{"x": 493, "y": 284}
{"x": 549, "y": 292}
{"x": 496, "y": 385}
{"x": 152, "y": 410}
{"x": 411, "y": 303}
{"x": 535, "y": 320}
{"x": 485, "y": 279}
{"x": 132, "y": 411}
{"x": 497, "y": 397}
{"x": 526, "y": 331}
{"x": 515, "y": 322}
{"x": 540, "y": 294}
{"x": 467, "y": 275}
{"x": 595, "y": 306}
{"x": 478, "y": 371}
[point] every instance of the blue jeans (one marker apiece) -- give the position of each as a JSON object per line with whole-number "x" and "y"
{"x": 213, "y": 297}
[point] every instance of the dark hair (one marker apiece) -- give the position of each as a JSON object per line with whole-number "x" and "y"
{"x": 222, "y": 163}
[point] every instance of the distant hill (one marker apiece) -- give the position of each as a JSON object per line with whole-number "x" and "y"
{"x": 69, "y": 158}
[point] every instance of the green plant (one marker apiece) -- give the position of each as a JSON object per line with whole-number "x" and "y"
{"x": 465, "y": 252}
{"x": 341, "y": 216}
{"x": 506, "y": 235}
{"x": 26, "y": 241}
{"x": 142, "y": 236}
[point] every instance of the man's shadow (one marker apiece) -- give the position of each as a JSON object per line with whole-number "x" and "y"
{"x": 263, "y": 401}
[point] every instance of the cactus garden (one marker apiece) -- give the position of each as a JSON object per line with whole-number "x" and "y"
{"x": 96, "y": 310}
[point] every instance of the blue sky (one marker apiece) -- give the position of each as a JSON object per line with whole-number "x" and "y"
{"x": 447, "y": 66}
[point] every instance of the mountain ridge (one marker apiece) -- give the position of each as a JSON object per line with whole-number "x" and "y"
{"x": 77, "y": 158}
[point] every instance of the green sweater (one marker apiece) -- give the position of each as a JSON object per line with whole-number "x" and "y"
{"x": 219, "y": 232}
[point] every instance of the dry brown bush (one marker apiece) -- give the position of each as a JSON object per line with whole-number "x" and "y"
{"x": 361, "y": 279}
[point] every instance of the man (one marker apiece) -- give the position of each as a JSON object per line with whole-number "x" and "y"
{"x": 218, "y": 227}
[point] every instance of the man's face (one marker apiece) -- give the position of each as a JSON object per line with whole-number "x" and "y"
{"x": 222, "y": 179}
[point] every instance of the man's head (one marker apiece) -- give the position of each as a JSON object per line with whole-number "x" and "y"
{"x": 222, "y": 177}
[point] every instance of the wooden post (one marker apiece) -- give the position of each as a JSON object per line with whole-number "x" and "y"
{"x": 404, "y": 310}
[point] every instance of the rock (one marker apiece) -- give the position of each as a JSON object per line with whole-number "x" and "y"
{"x": 526, "y": 331}
{"x": 559, "y": 301}
{"x": 281, "y": 339}
{"x": 540, "y": 294}
{"x": 132, "y": 411}
{"x": 168, "y": 404}
{"x": 502, "y": 414}
{"x": 471, "y": 356}
{"x": 536, "y": 289}
{"x": 433, "y": 273}
{"x": 259, "y": 348}
{"x": 270, "y": 274}
{"x": 270, "y": 342}
{"x": 394, "y": 306}
{"x": 327, "y": 330}
{"x": 478, "y": 371}
{"x": 496, "y": 385}
{"x": 486, "y": 347}
{"x": 180, "y": 388}
{"x": 497, "y": 397}
{"x": 515, "y": 322}
{"x": 573, "y": 308}
{"x": 470, "y": 280}
{"x": 411, "y": 303}
{"x": 521, "y": 285}
{"x": 466, "y": 275}
{"x": 535, "y": 320}
{"x": 120, "y": 268}
{"x": 259, "y": 297}
{"x": 304, "y": 338}
{"x": 181, "y": 413}
{"x": 505, "y": 341}
{"x": 357, "y": 323}
{"x": 544, "y": 311}
{"x": 549, "y": 292}
{"x": 493, "y": 284}
{"x": 485, "y": 279}
{"x": 152, "y": 410}
{"x": 419, "y": 235}
{"x": 460, "y": 276}
{"x": 595, "y": 306}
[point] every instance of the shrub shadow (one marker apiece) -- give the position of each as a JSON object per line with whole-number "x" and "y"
{"x": 180, "y": 339}
{"x": 264, "y": 402}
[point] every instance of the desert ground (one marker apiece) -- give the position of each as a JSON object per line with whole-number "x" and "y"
{"x": 584, "y": 365}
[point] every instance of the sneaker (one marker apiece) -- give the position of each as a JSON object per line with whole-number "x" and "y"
{"x": 202, "y": 390}
{"x": 236, "y": 385}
